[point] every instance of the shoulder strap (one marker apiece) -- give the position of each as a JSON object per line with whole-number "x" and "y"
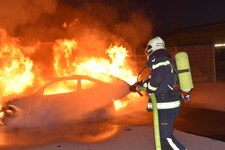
{"x": 174, "y": 71}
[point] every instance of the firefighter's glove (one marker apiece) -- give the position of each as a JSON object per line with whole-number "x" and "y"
{"x": 136, "y": 87}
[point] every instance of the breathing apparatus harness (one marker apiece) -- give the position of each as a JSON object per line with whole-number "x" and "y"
{"x": 184, "y": 95}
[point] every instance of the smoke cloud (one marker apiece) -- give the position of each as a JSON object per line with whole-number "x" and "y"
{"x": 16, "y": 13}
{"x": 101, "y": 21}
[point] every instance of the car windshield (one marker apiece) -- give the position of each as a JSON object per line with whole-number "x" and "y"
{"x": 67, "y": 86}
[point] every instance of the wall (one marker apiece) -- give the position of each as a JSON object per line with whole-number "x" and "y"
{"x": 201, "y": 58}
{"x": 202, "y": 61}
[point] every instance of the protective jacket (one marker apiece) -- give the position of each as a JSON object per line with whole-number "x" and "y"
{"x": 163, "y": 80}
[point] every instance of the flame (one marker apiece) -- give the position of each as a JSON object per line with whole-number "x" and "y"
{"x": 115, "y": 65}
{"x": 118, "y": 104}
{"x": 67, "y": 63}
{"x": 18, "y": 71}
{"x": 64, "y": 64}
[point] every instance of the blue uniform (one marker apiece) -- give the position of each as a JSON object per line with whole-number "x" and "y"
{"x": 163, "y": 81}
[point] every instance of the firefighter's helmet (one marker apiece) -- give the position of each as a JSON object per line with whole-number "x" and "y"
{"x": 154, "y": 44}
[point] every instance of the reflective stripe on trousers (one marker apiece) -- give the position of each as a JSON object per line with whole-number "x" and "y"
{"x": 172, "y": 144}
{"x": 166, "y": 105}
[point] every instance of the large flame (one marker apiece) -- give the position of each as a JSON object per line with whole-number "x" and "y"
{"x": 65, "y": 63}
{"x": 17, "y": 71}
{"x": 64, "y": 60}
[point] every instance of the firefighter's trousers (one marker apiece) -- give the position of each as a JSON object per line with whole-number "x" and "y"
{"x": 166, "y": 126}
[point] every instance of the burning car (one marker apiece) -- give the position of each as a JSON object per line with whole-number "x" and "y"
{"x": 63, "y": 99}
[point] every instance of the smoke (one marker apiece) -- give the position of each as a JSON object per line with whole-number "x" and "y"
{"x": 87, "y": 21}
{"x": 16, "y": 13}
{"x": 112, "y": 24}
{"x": 136, "y": 31}
{"x": 95, "y": 25}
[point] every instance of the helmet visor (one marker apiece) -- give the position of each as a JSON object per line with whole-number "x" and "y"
{"x": 148, "y": 50}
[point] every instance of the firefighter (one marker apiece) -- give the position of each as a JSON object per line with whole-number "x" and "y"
{"x": 163, "y": 81}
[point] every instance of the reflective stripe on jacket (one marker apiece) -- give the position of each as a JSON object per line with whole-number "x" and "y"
{"x": 166, "y": 105}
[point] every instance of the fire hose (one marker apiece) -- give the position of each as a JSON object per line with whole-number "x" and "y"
{"x": 137, "y": 88}
{"x": 156, "y": 122}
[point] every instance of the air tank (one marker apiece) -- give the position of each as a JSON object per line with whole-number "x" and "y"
{"x": 184, "y": 71}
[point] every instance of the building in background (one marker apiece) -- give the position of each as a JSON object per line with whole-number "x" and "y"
{"x": 205, "y": 46}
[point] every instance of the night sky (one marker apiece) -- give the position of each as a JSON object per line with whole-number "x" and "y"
{"x": 168, "y": 15}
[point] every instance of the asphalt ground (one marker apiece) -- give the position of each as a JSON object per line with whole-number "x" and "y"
{"x": 203, "y": 122}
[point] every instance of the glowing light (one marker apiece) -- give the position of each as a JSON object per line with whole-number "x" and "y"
{"x": 119, "y": 104}
{"x": 219, "y": 45}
